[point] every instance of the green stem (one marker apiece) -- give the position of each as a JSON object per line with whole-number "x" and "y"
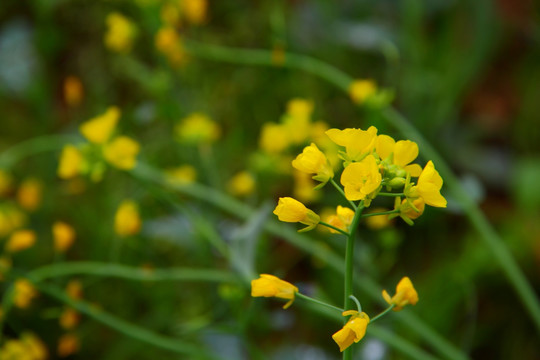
{"x": 305, "y": 297}
{"x": 333, "y": 228}
{"x": 381, "y": 213}
{"x": 34, "y": 146}
{"x": 332, "y": 181}
{"x": 375, "y": 318}
{"x": 390, "y": 194}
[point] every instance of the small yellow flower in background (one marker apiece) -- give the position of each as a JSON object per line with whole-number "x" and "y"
{"x": 194, "y": 11}
{"x": 297, "y": 120}
{"x": 5, "y": 266}
{"x": 71, "y": 162}
{"x": 291, "y": 210}
{"x": 342, "y": 219}
{"x": 197, "y": 128}
{"x": 274, "y": 138}
{"x": 169, "y": 43}
{"x": 6, "y": 182}
{"x": 361, "y": 90}
{"x": 68, "y": 344}
{"x": 401, "y": 153}
{"x": 377, "y": 222}
{"x": 127, "y": 220}
{"x": 29, "y": 194}
{"x": 120, "y": 34}
{"x": 357, "y": 142}
{"x": 242, "y": 184}
{"x": 305, "y": 188}
{"x": 185, "y": 174}
{"x": 313, "y": 161}
{"x": 24, "y": 293}
{"x": 11, "y": 218}
{"x": 360, "y": 179}
{"x": 122, "y": 152}
{"x": 73, "y": 91}
{"x": 405, "y": 295}
{"x": 63, "y": 236}
{"x": 272, "y": 286}
{"x": 69, "y": 318}
{"x": 353, "y": 331}
{"x": 28, "y": 347}
{"x": 300, "y": 108}
{"x": 20, "y": 240}
{"x": 99, "y": 129}
{"x": 429, "y": 187}
{"x": 74, "y": 289}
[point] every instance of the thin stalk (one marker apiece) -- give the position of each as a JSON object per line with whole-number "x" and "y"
{"x": 390, "y": 194}
{"x": 338, "y": 188}
{"x": 305, "y": 297}
{"x": 375, "y": 318}
{"x": 333, "y": 228}
{"x": 381, "y": 213}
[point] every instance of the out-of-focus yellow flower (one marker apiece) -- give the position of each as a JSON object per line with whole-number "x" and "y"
{"x": 197, "y": 128}
{"x": 297, "y": 120}
{"x": 405, "y": 295}
{"x": 28, "y": 347}
{"x": 313, "y": 161}
{"x": 170, "y": 14}
{"x": 68, "y": 344}
{"x": 378, "y": 222}
{"x": 71, "y": 162}
{"x": 11, "y": 218}
{"x": 63, "y": 236}
{"x": 120, "y": 34}
{"x": 342, "y": 219}
{"x": 169, "y": 43}
{"x": 300, "y": 108}
{"x": 400, "y": 153}
{"x": 305, "y": 188}
{"x": 242, "y": 184}
{"x": 429, "y": 187}
{"x": 357, "y": 142}
{"x": 360, "y": 179}
{"x": 74, "y": 289}
{"x": 361, "y": 90}
{"x": 99, "y": 129}
{"x": 185, "y": 174}
{"x": 69, "y": 318}
{"x": 5, "y": 267}
{"x": 272, "y": 286}
{"x": 411, "y": 209}
{"x": 194, "y": 11}
{"x": 24, "y": 293}
{"x": 127, "y": 220}
{"x": 20, "y": 240}
{"x": 291, "y": 210}
{"x": 73, "y": 91}
{"x": 274, "y": 138}
{"x": 122, "y": 152}
{"x": 5, "y": 182}
{"x": 353, "y": 331}
{"x": 29, "y": 194}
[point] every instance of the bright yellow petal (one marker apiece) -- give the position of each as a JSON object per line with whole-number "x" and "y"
{"x": 385, "y": 146}
{"x": 414, "y": 169}
{"x": 405, "y": 152}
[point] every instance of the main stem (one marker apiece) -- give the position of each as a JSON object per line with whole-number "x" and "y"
{"x": 349, "y": 269}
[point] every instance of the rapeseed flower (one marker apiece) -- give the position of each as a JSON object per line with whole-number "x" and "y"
{"x": 360, "y": 179}
{"x": 68, "y": 344}
{"x": 74, "y": 289}
{"x": 353, "y": 331}
{"x": 69, "y": 318}
{"x": 242, "y": 184}
{"x": 400, "y": 154}
{"x": 428, "y": 187}
{"x": 274, "y": 138}
{"x": 20, "y": 240}
{"x": 127, "y": 220}
{"x": 73, "y": 91}
{"x": 358, "y": 143}
{"x": 99, "y": 129}
{"x": 194, "y": 11}
{"x": 405, "y": 295}
{"x": 63, "y": 236}
{"x": 272, "y": 286}
{"x": 11, "y": 218}
{"x": 361, "y": 90}
{"x": 291, "y": 210}
{"x": 305, "y": 188}
{"x": 168, "y": 42}
{"x": 313, "y": 161}
{"x": 120, "y": 34}
{"x": 28, "y": 347}
{"x": 29, "y": 194}
{"x": 122, "y": 152}
{"x": 24, "y": 293}
{"x": 71, "y": 162}
{"x": 197, "y": 128}
{"x": 342, "y": 219}
{"x": 185, "y": 174}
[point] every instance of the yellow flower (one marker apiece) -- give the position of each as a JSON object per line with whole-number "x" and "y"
{"x": 28, "y": 347}
{"x": 274, "y": 138}
{"x": 300, "y": 108}
{"x": 120, "y": 33}
{"x": 400, "y": 153}
{"x": 5, "y": 182}
{"x": 342, "y": 219}
{"x": 194, "y": 11}
{"x": 20, "y": 240}
{"x": 73, "y": 91}
{"x": 29, "y": 194}
{"x": 313, "y": 161}
{"x": 185, "y": 174}
{"x": 296, "y": 121}
{"x": 69, "y": 318}
{"x": 429, "y": 186}
{"x": 74, "y": 289}
{"x": 11, "y": 218}
{"x": 360, "y": 179}
{"x": 272, "y": 286}
{"x": 71, "y": 162}
{"x": 24, "y": 293}
{"x": 169, "y": 43}
{"x": 353, "y": 331}
{"x": 405, "y": 294}
{"x": 411, "y": 209}
{"x": 197, "y": 128}
{"x": 361, "y": 90}
{"x": 127, "y": 220}
{"x": 291, "y": 210}
{"x": 98, "y": 130}
{"x": 304, "y": 187}
{"x": 242, "y": 184}
{"x": 63, "y": 235}
{"x": 68, "y": 344}
{"x": 357, "y": 142}
{"x": 122, "y": 152}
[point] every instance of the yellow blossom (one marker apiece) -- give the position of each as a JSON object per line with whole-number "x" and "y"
{"x": 411, "y": 209}
{"x": 20, "y": 240}
{"x": 297, "y": 120}
{"x": 304, "y": 187}
{"x": 28, "y": 347}
{"x": 429, "y": 187}
{"x": 63, "y": 236}
{"x": 360, "y": 179}
{"x": 185, "y": 174}
{"x": 11, "y": 218}
{"x": 361, "y": 90}
{"x": 313, "y": 161}
{"x": 197, "y": 128}
{"x": 242, "y": 184}
{"x": 5, "y": 182}
{"x": 400, "y": 153}
{"x": 68, "y": 344}
{"x": 353, "y": 331}
{"x": 74, "y": 289}
{"x": 24, "y": 293}
{"x": 405, "y": 295}
{"x": 69, "y": 318}
{"x": 122, "y": 152}
{"x": 274, "y": 138}
{"x": 169, "y": 43}
{"x": 342, "y": 219}
{"x": 73, "y": 91}
{"x": 194, "y": 11}
{"x": 29, "y": 194}
{"x": 300, "y": 108}
{"x": 120, "y": 33}
{"x": 71, "y": 162}
{"x": 291, "y": 210}
{"x": 272, "y": 286}
{"x": 357, "y": 142}
{"x": 99, "y": 129}
{"x": 127, "y": 220}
